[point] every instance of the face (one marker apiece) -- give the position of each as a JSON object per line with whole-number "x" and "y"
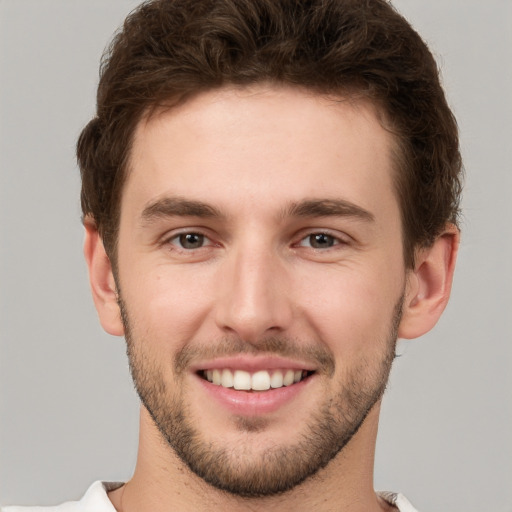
{"x": 260, "y": 277}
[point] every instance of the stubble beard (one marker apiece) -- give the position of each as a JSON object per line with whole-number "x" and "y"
{"x": 278, "y": 469}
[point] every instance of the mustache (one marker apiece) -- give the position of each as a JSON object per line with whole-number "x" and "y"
{"x": 273, "y": 346}
{"x": 231, "y": 346}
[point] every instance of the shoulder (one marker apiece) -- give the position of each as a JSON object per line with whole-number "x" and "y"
{"x": 94, "y": 500}
{"x": 398, "y": 500}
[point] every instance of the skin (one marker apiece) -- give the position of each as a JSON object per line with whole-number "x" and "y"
{"x": 252, "y": 156}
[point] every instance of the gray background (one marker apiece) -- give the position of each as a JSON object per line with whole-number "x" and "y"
{"x": 68, "y": 414}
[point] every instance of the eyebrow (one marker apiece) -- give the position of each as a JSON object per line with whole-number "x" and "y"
{"x": 328, "y": 208}
{"x": 178, "y": 207}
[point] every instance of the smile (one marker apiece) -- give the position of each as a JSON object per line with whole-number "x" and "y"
{"x": 261, "y": 380}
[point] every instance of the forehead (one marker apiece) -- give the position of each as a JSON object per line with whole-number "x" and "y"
{"x": 263, "y": 146}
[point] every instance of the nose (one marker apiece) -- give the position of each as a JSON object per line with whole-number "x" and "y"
{"x": 254, "y": 299}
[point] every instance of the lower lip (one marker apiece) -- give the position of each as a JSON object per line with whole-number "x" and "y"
{"x": 253, "y": 403}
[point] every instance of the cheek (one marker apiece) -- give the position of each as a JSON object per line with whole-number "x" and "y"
{"x": 168, "y": 303}
{"x": 352, "y": 308}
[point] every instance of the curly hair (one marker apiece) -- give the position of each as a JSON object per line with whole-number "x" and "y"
{"x": 170, "y": 50}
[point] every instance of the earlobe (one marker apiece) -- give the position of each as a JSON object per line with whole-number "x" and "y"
{"x": 429, "y": 285}
{"x": 102, "y": 281}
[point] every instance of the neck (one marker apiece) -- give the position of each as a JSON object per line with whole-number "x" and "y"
{"x": 161, "y": 481}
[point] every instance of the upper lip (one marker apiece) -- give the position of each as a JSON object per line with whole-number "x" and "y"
{"x": 253, "y": 363}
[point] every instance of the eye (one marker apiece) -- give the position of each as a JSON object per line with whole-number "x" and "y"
{"x": 190, "y": 241}
{"x": 319, "y": 241}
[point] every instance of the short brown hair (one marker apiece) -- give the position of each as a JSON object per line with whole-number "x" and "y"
{"x": 169, "y": 50}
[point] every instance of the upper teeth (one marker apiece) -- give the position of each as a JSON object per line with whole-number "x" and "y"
{"x": 258, "y": 381}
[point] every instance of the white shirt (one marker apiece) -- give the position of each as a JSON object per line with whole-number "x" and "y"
{"x": 96, "y": 500}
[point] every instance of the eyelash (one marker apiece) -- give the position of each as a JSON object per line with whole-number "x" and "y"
{"x": 319, "y": 235}
{"x": 178, "y": 240}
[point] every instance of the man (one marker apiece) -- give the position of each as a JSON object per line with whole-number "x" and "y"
{"x": 270, "y": 192}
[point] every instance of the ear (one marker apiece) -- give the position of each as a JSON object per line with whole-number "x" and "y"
{"x": 429, "y": 284}
{"x": 101, "y": 278}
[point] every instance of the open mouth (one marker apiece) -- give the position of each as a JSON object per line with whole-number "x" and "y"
{"x": 261, "y": 380}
